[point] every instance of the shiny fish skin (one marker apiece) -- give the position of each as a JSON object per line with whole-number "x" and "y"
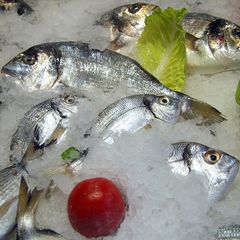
{"x": 39, "y": 127}
{"x": 219, "y": 167}
{"x": 27, "y": 206}
{"x": 76, "y": 65}
{"x": 133, "y": 113}
{"x": 22, "y": 7}
{"x": 10, "y": 178}
{"x": 231, "y": 232}
{"x": 212, "y": 43}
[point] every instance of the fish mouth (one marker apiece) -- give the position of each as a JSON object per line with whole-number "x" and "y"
{"x": 8, "y": 70}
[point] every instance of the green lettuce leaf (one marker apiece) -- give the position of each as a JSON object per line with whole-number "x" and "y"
{"x": 71, "y": 154}
{"x": 237, "y": 94}
{"x": 161, "y": 47}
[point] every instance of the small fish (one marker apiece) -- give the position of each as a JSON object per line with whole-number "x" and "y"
{"x": 76, "y": 65}
{"x": 42, "y": 126}
{"x": 231, "y": 232}
{"x": 219, "y": 167}
{"x": 133, "y": 113}
{"x": 126, "y": 21}
{"x": 27, "y": 205}
{"x": 21, "y": 6}
{"x": 10, "y": 178}
{"x": 212, "y": 43}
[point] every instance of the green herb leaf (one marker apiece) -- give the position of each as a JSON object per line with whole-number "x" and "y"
{"x": 161, "y": 47}
{"x": 71, "y": 154}
{"x": 237, "y": 94}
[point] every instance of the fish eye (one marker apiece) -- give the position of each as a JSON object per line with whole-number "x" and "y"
{"x": 164, "y": 100}
{"x": 134, "y": 8}
{"x": 212, "y": 156}
{"x": 69, "y": 99}
{"x": 29, "y": 59}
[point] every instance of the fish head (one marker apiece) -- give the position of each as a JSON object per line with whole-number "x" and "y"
{"x": 224, "y": 41}
{"x": 128, "y": 19}
{"x": 163, "y": 107}
{"x": 219, "y": 167}
{"x": 35, "y": 68}
{"x": 68, "y": 103}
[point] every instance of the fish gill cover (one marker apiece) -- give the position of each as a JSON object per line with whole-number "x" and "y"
{"x": 161, "y": 47}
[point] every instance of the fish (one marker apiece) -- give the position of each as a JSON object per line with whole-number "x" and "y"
{"x": 231, "y": 232}
{"x": 44, "y": 124}
{"x": 212, "y": 43}
{"x": 10, "y": 179}
{"x": 126, "y": 21}
{"x": 76, "y": 65}
{"x": 27, "y": 205}
{"x": 218, "y": 167}
{"x": 21, "y": 6}
{"x": 133, "y": 113}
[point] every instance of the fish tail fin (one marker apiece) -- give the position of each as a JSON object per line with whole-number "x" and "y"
{"x": 68, "y": 168}
{"x": 207, "y": 112}
{"x": 27, "y": 205}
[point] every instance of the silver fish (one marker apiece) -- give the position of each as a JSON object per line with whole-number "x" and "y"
{"x": 43, "y": 125}
{"x": 219, "y": 167}
{"x": 22, "y": 7}
{"x": 27, "y": 206}
{"x": 212, "y": 43}
{"x": 126, "y": 21}
{"x": 231, "y": 232}
{"x": 76, "y": 65}
{"x": 133, "y": 113}
{"x": 10, "y": 178}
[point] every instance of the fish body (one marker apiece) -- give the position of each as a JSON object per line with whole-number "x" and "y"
{"x": 133, "y": 113}
{"x": 219, "y": 167}
{"x": 76, "y": 65}
{"x": 212, "y": 43}
{"x": 231, "y": 232}
{"x": 21, "y": 6}
{"x": 10, "y": 179}
{"x": 43, "y": 125}
{"x": 27, "y": 206}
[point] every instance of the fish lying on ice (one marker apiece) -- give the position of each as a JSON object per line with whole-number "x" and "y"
{"x": 43, "y": 125}
{"x": 212, "y": 43}
{"x": 21, "y": 6}
{"x": 76, "y": 65}
{"x": 231, "y": 232}
{"x": 10, "y": 178}
{"x": 27, "y": 206}
{"x": 219, "y": 167}
{"x": 133, "y": 113}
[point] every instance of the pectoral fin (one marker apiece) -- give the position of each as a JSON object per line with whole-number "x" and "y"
{"x": 191, "y": 42}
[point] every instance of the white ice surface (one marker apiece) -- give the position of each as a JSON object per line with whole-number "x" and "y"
{"x": 161, "y": 205}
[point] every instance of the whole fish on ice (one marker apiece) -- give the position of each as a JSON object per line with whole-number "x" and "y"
{"x": 27, "y": 206}
{"x": 76, "y": 65}
{"x": 43, "y": 125}
{"x": 21, "y": 6}
{"x": 10, "y": 178}
{"x": 212, "y": 43}
{"x": 219, "y": 167}
{"x": 133, "y": 113}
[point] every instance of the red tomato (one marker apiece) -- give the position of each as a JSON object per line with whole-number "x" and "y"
{"x": 96, "y": 207}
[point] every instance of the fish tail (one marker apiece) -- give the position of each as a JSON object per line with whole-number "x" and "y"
{"x": 27, "y": 205}
{"x": 207, "y": 112}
